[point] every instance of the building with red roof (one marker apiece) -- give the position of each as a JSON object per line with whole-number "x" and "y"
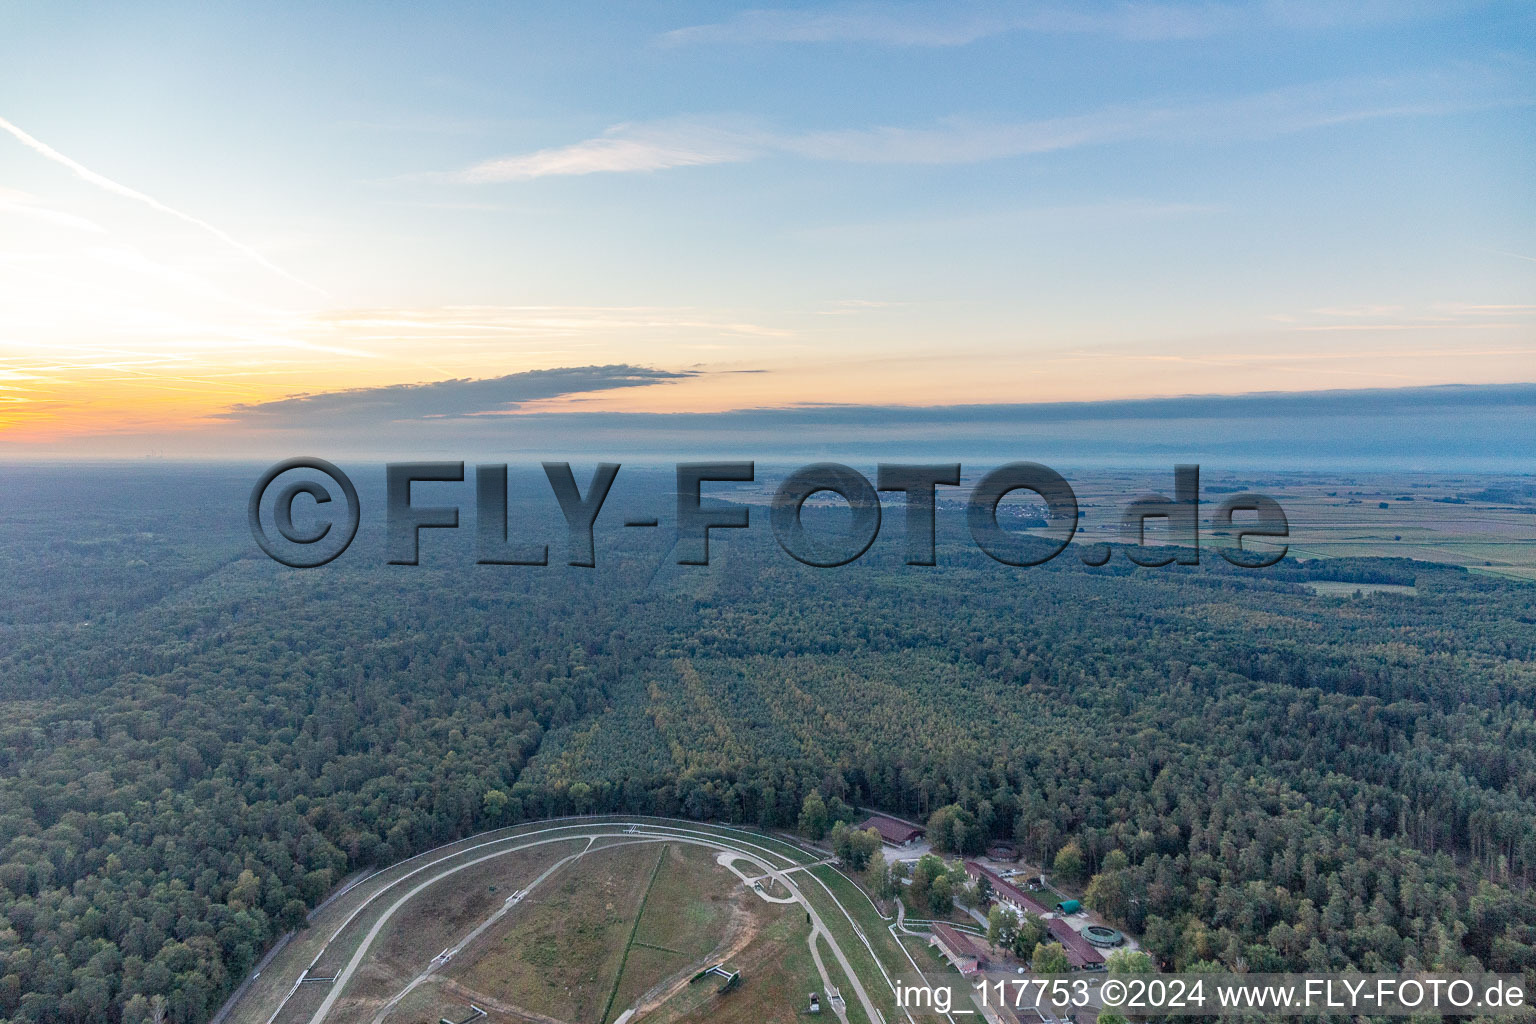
{"x": 1006, "y": 892}
{"x": 896, "y": 833}
{"x": 966, "y": 953}
{"x": 1082, "y": 955}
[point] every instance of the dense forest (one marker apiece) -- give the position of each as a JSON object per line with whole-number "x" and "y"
{"x": 199, "y": 744}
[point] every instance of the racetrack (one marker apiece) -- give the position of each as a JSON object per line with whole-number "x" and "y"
{"x": 364, "y": 914}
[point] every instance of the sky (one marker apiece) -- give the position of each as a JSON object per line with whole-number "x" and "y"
{"x": 240, "y": 229}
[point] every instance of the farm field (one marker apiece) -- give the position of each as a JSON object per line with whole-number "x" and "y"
{"x": 1332, "y": 588}
{"x": 1485, "y": 523}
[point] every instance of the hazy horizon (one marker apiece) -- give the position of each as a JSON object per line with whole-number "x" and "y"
{"x": 1446, "y": 428}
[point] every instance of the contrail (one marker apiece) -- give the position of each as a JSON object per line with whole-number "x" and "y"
{"x": 86, "y": 174}
{"x": 1501, "y": 252}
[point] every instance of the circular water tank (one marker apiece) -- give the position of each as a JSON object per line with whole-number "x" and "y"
{"x": 1102, "y": 936}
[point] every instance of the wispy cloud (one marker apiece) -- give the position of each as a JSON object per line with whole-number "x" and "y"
{"x": 449, "y": 399}
{"x": 497, "y": 325}
{"x": 1438, "y": 317}
{"x": 895, "y": 26}
{"x": 679, "y": 142}
{"x": 1074, "y": 217}
{"x": 957, "y": 24}
{"x": 650, "y": 146}
{"x": 23, "y": 204}
{"x": 103, "y": 182}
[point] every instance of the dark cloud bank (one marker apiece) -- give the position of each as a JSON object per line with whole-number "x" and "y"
{"x": 374, "y": 408}
{"x": 1432, "y": 428}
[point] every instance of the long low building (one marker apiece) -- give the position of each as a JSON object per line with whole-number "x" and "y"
{"x": 1082, "y": 955}
{"x": 966, "y": 953}
{"x": 1006, "y": 892}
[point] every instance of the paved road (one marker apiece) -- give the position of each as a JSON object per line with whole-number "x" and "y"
{"x": 838, "y": 1007}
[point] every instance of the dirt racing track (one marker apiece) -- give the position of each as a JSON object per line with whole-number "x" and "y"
{"x": 323, "y": 976}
